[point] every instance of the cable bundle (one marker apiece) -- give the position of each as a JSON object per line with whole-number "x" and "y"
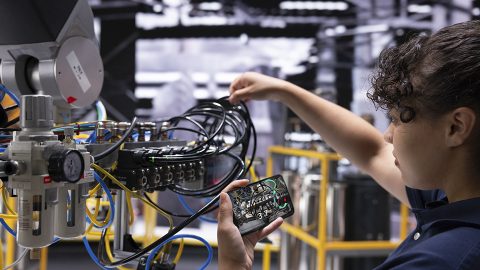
{"x": 220, "y": 131}
{"x": 213, "y": 123}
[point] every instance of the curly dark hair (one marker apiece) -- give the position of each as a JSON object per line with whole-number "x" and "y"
{"x": 430, "y": 75}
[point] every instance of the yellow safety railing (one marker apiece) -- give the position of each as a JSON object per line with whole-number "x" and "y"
{"x": 320, "y": 243}
{"x": 10, "y": 252}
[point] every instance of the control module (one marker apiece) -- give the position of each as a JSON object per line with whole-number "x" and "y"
{"x": 260, "y": 203}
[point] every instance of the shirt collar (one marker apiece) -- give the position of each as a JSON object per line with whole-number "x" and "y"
{"x": 466, "y": 212}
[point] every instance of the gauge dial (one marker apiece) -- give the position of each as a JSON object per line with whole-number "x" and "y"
{"x": 66, "y": 165}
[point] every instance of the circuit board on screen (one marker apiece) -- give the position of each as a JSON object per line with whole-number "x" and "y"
{"x": 258, "y": 204}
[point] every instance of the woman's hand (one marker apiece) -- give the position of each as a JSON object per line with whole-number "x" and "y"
{"x": 251, "y": 85}
{"x": 235, "y": 251}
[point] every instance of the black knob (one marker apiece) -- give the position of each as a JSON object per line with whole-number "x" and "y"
{"x": 66, "y": 166}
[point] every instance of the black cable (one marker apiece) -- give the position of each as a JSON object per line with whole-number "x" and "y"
{"x": 117, "y": 144}
{"x": 9, "y": 108}
{"x": 238, "y": 118}
{"x": 235, "y": 173}
{"x": 163, "y": 209}
{"x": 212, "y": 123}
{"x": 166, "y": 236}
{"x": 101, "y": 246}
{"x": 210, "y": 138}
{"x": 13, "y": 121}
{"x": 207, "y": 152}
{"x": 10, "y": 129}
{"x": 208, "y": 111}
{"x": 175, "y": 120}
{"x": 254, "y": 150}
{"x": 184, "y": 129}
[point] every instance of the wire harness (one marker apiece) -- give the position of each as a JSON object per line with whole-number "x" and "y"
{"x": 194, "y": 154}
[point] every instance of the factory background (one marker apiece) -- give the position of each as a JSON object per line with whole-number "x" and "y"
{"x": 163, "y": 57}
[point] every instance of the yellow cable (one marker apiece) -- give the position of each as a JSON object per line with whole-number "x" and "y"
{"x": 109, "y": 251}
{"x": 97, "y": 207}
{"x": 7, "y": 216}
{"x": 2, "y": 259}
{"x": 89, "y": 228}
{"x": 166, "y": 248}
{"x": 10, "y": 250}
{"x": 93, "y": 217}
{"x": 43, "y": 258}
{"x": 94, "y": 190}
{"x": 98, "y": 224}
{"x": 130, "y": 208}
{"x": 97, "y": 233}
{"x": 75, "y": 124}
{"x": 95, "y": 213}
{"x": 102, "y": 203}
{"x": 114, "y": 165}
{"x": 5, "y": 200}
{"x": 94, "y": 220}
{"x": 81, "y": 136}
{"x": 167, "y": 216}
{"x": 107, "y": 246}
{"x": 253, "y": 174}
{"x": 179, "y": 252}
{"x": 118, "y": 183}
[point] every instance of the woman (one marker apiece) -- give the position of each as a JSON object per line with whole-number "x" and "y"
{"x": 428, "y": 156}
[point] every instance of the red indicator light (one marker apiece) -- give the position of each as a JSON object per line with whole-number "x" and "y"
{"x": 47, "y": 180}
{"x": 71, "y": 99}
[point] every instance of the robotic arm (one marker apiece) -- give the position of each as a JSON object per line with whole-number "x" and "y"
{"x": 49, "y": 54}
{"x": 49, "y": 47}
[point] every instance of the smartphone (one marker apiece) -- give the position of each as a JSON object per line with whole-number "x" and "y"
{"x": 260, "y": 203}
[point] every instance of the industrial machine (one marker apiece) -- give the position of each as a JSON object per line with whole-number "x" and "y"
{"x": 51, "y": 58}
{"x": 56, "y": 65}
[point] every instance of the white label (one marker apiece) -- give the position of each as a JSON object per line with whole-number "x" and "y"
{"x": 88, "y": 175}
{"x": 78, "y": 71}
{"x": 23, "y": 215}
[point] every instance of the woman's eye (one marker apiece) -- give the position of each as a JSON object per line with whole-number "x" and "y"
{"x": 389, "y": 117}
{"x": 392, "y": 119}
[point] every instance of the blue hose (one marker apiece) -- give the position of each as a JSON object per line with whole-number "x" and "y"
{"x": 8, "y": 228}
{"x": 92, "y": 255}
{"x": 92, "y": 138}
{"x": 10, "y": 94}
{"x": 110, "y": 200}
{"x": 110, "y": 221}
{"x": 155, "y": 250}
{"x": 191, "y": 211}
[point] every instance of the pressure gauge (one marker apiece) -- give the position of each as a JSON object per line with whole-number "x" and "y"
{"x": 66, "y": 165}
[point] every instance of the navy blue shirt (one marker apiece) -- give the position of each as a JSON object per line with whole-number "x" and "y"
{"x": 447, "y": 235}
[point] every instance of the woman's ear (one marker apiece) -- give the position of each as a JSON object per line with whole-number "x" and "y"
{"x": 461, "y": 122}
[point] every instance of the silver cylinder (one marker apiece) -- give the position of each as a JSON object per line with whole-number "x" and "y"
{"x": 304, "y": 190}
{"x": 36, "y": 216}
{"x": 70, "y": 211}
{"x": 37, "y": 112}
